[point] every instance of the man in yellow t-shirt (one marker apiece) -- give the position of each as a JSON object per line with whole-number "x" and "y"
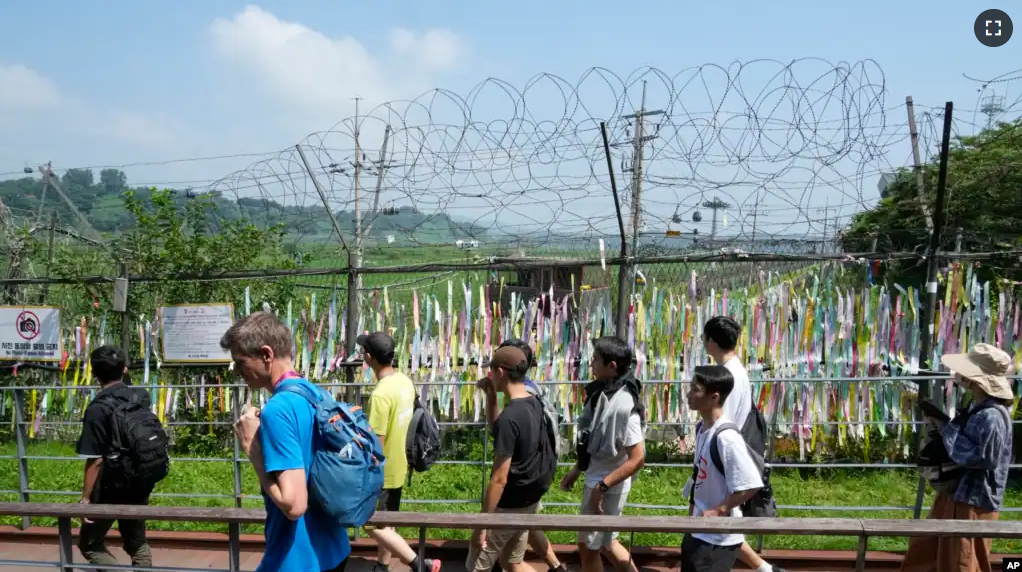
{"x": 390, "y": 412}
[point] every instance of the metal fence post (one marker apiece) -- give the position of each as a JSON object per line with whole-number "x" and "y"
{"x": 917, "y": 440}
{"x": 21, "y": 440}
{"x": 234, "y": 546}
{"x": 351, "y": 326}
{"x": 67, "y": 555}
{"x": 482, "y": 464}
{"x": 235, "y": 461}
{"x": 772, "y": 438}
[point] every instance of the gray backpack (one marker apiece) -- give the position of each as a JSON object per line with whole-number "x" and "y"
{"x": 552, "y": 417}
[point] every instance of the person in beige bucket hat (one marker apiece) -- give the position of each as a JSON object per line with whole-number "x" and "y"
{"x": 973, "y": 473}
{"x": 986, "y": 367}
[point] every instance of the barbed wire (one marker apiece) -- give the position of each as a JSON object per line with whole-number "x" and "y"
{"x": 525, "y": 165}
{"x": 794, "y": 148}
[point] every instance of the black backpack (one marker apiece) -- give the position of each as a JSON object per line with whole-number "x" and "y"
{"x": 753, "y": 432}
{"x": 422, "y": 446}
{"x": 139, "y": 454}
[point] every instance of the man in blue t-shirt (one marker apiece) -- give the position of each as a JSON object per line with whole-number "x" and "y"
{"x": 278, "y": 442}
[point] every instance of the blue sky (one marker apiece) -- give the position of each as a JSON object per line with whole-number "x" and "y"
{"x": 118, "y": 82}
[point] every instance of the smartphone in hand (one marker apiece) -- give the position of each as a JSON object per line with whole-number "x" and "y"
{"x": 931, "y": 410}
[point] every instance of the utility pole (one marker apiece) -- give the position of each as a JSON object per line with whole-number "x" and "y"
{"x": 381, "y": 169}
{"x": 358, "y": 190}
{"x": 930, "y": 307}
{"x": 755, "y": 222}
{"x": 42, "y": 195}
{"x": 715, "y": 205}
{"x": 354, "y": 278}
{"x": 50, "y": 240}
{"x": 349, "y": 329}
{"x": 917, "y": 165}
{"x": 621, "y": 318}
{"x": 86, "y": 226}
{"x": 826, "y": 210}
{"x": 932, "y": 262}
{"x": 637, "y": 154}
{"x": 638, "y": 148}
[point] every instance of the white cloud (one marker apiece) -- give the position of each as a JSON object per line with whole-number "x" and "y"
{"x": 436, "y": 50}
{"x": 25, "y": 90}
{"x": 275, "y": 81}
{"x": 154, "y": 129}
{"x": 303, "y": 68}
{"x": 40, "y": 122}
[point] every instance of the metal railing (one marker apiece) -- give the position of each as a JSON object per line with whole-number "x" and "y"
{"x": 862, "y": 529}
{"x": 238, "y": 461}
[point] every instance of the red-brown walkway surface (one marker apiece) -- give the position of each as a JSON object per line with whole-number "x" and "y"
{"x": 217, "y": 559}
{"x": 202, "y": 550}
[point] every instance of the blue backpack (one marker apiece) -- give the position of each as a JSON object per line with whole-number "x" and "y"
{"x": 346, "y": 477}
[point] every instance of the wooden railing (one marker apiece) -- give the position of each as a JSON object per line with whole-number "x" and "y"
{"x": 863, "y": 529}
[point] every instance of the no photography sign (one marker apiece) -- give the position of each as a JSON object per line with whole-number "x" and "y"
{"x": 30, "y": 333}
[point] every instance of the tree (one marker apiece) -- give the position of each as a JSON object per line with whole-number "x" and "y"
{"x": 984, "y": 199}
{"x": 78, "y": 178}
{"x": 113, "y": 180}
{"x": 165, "y": 240}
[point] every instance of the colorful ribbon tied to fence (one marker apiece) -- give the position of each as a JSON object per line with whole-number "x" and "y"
{"x": 808, "y": 342}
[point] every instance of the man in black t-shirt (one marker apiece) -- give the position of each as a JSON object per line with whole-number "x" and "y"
{"x": 96, "y": 442}
{"x": 523, "y": 465}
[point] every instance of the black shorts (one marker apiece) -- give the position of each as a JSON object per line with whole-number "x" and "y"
{"x": 390, "y": 500}
{"x": 701, "y": 556}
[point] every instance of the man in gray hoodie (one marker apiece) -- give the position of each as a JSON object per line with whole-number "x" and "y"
{"x": 610, "y": 450}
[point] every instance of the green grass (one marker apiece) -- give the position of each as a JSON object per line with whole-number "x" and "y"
{"x": 876, "y": 487}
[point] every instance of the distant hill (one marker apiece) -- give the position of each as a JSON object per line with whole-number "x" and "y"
{"x": 102, "y": 203}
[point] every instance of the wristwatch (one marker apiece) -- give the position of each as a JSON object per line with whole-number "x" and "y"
{"x": 604, "y": 487}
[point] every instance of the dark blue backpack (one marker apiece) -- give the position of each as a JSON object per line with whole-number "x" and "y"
{"x": 346, "y": 477}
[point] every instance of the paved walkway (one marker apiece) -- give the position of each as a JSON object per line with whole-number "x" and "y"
{"x": 45, "y": 550}
{"x": 211, "y": 559}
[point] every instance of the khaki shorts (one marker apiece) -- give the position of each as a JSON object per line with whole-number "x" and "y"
{"x": 613, "y": 504}
{"x": 504, "y": 546}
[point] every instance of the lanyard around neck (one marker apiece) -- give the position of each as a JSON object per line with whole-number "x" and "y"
{"x": 287, "y": 375}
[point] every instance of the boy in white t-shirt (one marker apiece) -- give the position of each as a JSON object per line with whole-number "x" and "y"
{"x": 720, "y": 339}
{"x": 715, "y": 493}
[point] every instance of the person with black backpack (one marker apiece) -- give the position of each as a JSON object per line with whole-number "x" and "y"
{"x": 392, "y": 408}
{"x": 524, "y": 463}
{"x": 717, "y": 490}
{"x": 538, "y": 541}
{"x": 126, "y": 449}
{"x": 720, "y": 340}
